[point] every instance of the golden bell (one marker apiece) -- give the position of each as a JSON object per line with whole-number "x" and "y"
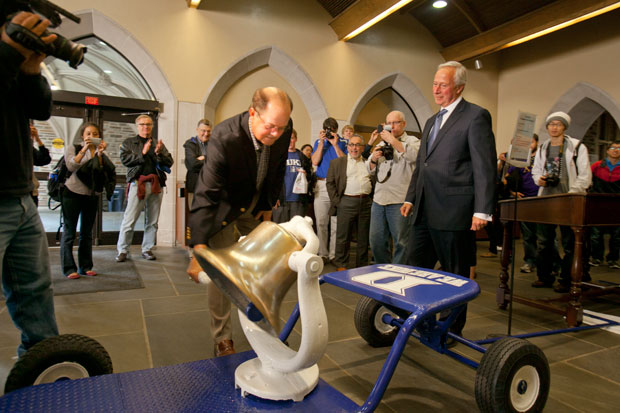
{"x": 254, "y": 270}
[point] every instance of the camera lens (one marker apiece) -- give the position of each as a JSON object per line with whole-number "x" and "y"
{"x": 65, "y": 49}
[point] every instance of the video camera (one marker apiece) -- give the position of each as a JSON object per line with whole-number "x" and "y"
{"x": 61, "y": 48}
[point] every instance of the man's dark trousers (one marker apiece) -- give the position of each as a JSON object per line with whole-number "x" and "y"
{"x": 350, "y": 210}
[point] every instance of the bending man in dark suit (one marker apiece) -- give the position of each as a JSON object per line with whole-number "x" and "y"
{"x": 242, "y": 179}
{"x": 452, "y": 189}
{"x": 349, "y": 187}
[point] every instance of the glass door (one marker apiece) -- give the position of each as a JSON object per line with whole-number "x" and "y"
{"x": 115, "y": 117}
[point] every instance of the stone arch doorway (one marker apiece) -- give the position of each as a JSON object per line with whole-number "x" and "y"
{"x": 405, "y": 88}
{"x": 97, "y": 24}
{"x": 584, "y": 103}
{"x": 281, "y": 63}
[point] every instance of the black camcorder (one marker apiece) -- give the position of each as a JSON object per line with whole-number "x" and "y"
{"x": 61, "y": 48}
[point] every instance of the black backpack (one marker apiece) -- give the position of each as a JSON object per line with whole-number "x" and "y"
{"x": 58, "y": 177}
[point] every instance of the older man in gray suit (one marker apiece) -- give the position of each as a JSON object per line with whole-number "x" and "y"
{"x": 452, "y": 190}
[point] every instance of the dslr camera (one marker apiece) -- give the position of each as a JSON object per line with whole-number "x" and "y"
{"x": 387, "y": 149}
{"x": 61, "y": 48}
{"x": 553, "y": 174}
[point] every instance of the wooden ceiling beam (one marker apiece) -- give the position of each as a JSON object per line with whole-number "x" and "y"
{"x": 471, "y": 16}
{"x": 531, "y": 24}
{"x": 358, "y": 13}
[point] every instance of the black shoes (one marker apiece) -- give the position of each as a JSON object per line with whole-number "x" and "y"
{"x": 542, "y": 284}
{"x": 148, "y": 255}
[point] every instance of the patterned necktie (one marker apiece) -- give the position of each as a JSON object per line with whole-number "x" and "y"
{"x": 435, "y": 131}
{"x": 263, "y": 164}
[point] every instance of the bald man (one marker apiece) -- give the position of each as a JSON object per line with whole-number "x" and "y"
{"x": 247, "y": 159}
{"x": 392, "y": 174}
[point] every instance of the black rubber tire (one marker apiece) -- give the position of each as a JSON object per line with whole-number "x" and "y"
{"x": 68, "y": 356}
{"x": 368, "y": 323}
{"x": 513, "y": 376}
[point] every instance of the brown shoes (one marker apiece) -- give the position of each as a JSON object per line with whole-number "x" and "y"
{"x": 224, "y": 348}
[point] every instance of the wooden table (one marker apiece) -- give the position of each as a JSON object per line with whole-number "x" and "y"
{"x": 575, "y": 210}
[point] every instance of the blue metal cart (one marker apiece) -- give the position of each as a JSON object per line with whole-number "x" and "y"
{"x": 398, "y": 302}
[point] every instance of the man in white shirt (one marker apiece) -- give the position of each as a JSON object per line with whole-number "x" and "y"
{"x": 349, "y": 187}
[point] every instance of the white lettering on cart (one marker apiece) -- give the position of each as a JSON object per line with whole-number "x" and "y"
{"x": 397, "y": 286}
{"x": 404, "y": 278}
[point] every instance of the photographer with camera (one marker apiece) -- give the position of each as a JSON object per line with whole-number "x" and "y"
{"x": 24, "y": 95}
{"x": 561, "y": 166}
{"x": 392, "y": 163}
{"x": 329, "y": 146}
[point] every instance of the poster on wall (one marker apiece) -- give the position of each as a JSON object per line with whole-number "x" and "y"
{"x": 519, "y": 153}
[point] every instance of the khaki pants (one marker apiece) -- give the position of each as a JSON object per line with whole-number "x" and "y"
{"x": 219, "y": 304}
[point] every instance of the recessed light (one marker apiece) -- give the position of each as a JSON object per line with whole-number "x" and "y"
{"x": 107, "y": 71}
{"x": 440, "y": 4}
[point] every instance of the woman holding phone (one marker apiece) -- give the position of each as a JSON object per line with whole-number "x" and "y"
{"x": 81, "y": 199}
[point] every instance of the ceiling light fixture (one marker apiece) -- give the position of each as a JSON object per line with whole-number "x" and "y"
{"x": 376, "y": 19}
{"x": 193, "y": 3}
{"x": 440, "y": 4}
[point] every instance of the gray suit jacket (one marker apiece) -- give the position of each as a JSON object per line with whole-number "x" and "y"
{"x": 456, "y": 177}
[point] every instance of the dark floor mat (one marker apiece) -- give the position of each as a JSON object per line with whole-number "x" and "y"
{"x": 111, "y": 275}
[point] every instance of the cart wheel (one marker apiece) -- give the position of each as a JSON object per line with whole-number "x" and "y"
{"x": 369, "y": 323}
{"x": 64, "y": 357}
{"x": 513, "y": 376}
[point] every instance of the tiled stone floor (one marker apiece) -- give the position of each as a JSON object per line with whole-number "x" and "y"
{"x": 167, "y": 322}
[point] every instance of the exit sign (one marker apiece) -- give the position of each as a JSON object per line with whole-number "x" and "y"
{"x": 91, "y": 100}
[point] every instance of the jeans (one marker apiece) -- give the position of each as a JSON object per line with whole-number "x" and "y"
{"x": 528, "y": 233}
{"x": 597, "y": 239}
{"x": 288, "y": 210}
{"x": 132, "y": 212}
{"x": 75, "y": 206}
{"x": 546, "y": 253}
{"x": 26, "y": 280}
{"x": 386, "y": 221}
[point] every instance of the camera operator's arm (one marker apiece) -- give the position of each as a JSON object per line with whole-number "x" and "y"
{"x": 373, "y": 161}
{"x": 538, "y": 169}
{"x": 391, "y": 139}
{"x": 33, "y": 23}
{"x": 19, "y": 64}
{"x": 317, "y": 155}
{"x": 334, "y": 141}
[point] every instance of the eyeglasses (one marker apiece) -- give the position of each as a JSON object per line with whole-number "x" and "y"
{"x": 148, "y": 125}
{"x": 269, "y": 126}
{"x": 353, "y": 145}
{"x": 396, "y": 122}
{"x": 614, "y": 149}
{"x": 555, "y": 124}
